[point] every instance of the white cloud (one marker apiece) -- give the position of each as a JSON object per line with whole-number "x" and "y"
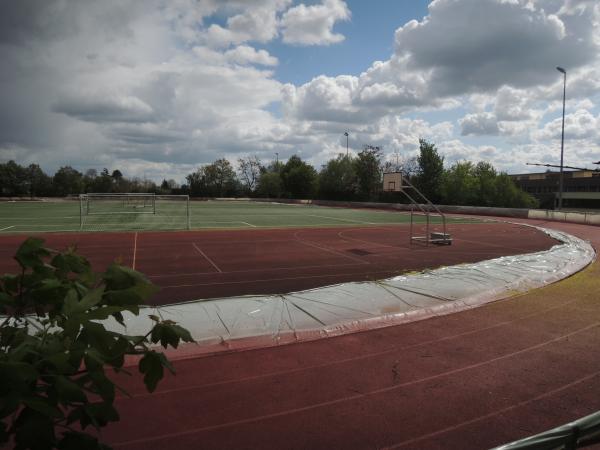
{"x": 159, "y": 87}
{"x": 249, "y": 55}
{"x": 255, "y": 20}
{"x": 313, "y": 25}
{"x": 578, "y": 125}
{"x": 479, "y": 124}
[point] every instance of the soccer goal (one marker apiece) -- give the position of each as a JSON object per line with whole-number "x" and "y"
{"x": 133, "y": 211}
{"x": 435, "y": 231}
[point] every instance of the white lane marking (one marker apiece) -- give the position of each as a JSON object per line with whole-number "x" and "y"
{"x": 7, "y": 228}
{"x": 330, "y": 250}
{"x": 206, "y": 257}
{"x": 338, "y": 218}
{"x": 134, "y": 250}
{"x": 249, "y": 224}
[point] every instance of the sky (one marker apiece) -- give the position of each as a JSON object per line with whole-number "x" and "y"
{"x": 157, "y": 88}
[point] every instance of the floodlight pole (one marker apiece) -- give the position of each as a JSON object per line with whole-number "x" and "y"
{"x": 562, "y": 138}
{"x": 346, "y": 134}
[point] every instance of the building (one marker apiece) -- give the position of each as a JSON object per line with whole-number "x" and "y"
{"x": 581, "y": 188}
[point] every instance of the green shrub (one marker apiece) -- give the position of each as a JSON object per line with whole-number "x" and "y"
{"x": 55, "y": 350}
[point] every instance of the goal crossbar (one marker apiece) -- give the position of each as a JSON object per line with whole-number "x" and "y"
{"x": 170, "y": 211}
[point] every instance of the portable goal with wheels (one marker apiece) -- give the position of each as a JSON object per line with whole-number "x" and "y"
{"x": 420, "y": 206}
{"x": 133, "y": 211}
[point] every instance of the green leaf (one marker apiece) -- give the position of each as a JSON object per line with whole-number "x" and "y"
{"x": 92, "y": 298}
{"x": 98, "y": 414}
{"x": 93, "y": 360}
{"x": 31, "y": 253}
{"x": 103, "y": 386}
{"x": 61, "y": 361}
{"x": 17, "y": 375}
{"x": 98, "y": 337}
{"x": 169, "y": 333}
{"x": 69, "y": 391}
{"x": 43, "y": 406}
{"x": 34, "y": 430}
{"x": 151, "y": 365}
{"x": 102, "y": 313}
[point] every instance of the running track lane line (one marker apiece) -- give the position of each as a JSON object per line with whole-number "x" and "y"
{"x": 366, "y": 394}
{"x": 134, "y": 250}
{"x": 398, "y": 348}
{"x": 326, "y": 249}
{"x": 7, "y": 228}
{"x": 264, "y": 280}
{"x": 171, "y": 275}
{"x": 495, "y": 413}
{"x": 207, "y": 258}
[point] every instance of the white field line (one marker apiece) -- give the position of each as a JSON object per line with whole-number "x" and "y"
{"x": 45, "y": 218}
{"x": 249, "y": 224}
{"x": 7, "y": 228}
{"x": 207, "y": 258}
{"x": 337, "y": 218}
{"x": 69, "y": 230}
{"x": 134, "y": 250}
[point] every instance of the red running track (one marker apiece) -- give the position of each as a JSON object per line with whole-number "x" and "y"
{"x": 210, "y": 264}
{"x": 470, "y": 380}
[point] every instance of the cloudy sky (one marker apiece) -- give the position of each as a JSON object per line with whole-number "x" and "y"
{"x": 156, "y": 88}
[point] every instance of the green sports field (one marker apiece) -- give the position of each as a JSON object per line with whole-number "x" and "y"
{"x": 64, "y": 216}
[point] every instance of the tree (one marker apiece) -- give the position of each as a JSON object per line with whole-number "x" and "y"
{"x": 39, "y": 183}
{"x": 220, "y": 179}
{"x": 213, "y": 180}
{"x": 485, "y": 174}
{"x": 368, "y": 169}
{"x": 459, "y": 184}
{"x": 250, "y": 170}
{"x": 407, "y": 165}
{"x": 508, "y": 195}
{"x": 67, "y": 181}
{"x": 196, "y": 183}
{"x": 337, "y": 179}
{"x": 13, "y": 179}
{"x": 55, "y": 347}
{"x": 299, "y": 179}
{"x": 431, "y": 168}
{"x": 103, "y": 183}
{"x": 269, "y": 185}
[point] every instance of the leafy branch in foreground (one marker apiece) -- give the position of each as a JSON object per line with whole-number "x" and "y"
{"x": 55, "y": 349}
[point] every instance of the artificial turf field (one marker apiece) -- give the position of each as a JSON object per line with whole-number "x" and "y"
{"x": 64, "y": 216}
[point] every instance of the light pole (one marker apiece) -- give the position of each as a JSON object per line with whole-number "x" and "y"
{"x": 346, "y": 134}
{"x": 562, "y": 138}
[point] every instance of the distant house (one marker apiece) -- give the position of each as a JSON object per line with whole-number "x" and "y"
{"x": 581, "y": 188}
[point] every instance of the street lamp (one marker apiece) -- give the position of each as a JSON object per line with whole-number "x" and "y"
{"x": 346, "y": 134}
{"x": 562, "y": 139}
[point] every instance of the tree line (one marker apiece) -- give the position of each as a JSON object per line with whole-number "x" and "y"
{"x": 346, "y": 177}
{"x": 32, "y": 181}
{"x": 359, "y": 178}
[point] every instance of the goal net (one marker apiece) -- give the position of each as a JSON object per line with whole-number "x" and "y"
{"x": 133, "y": 211}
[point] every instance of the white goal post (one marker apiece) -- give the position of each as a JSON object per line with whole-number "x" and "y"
{"x": 133, "y": 210}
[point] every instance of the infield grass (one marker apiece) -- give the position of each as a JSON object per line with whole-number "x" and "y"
{"x": 63, "y": 216}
